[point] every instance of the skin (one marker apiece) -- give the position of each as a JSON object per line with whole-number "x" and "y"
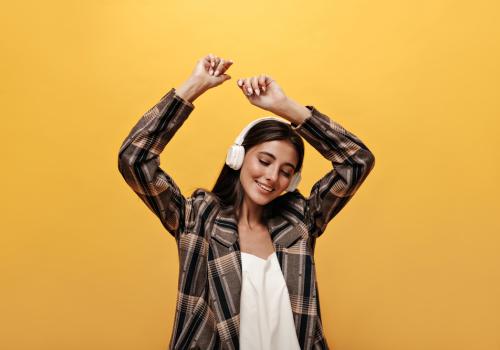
{"x": 264, "y": 92}
{"x": 259, "y": 166}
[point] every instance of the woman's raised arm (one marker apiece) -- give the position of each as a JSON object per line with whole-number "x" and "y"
{"x": 139, "y": 154}
{"x": 351, "y": 159}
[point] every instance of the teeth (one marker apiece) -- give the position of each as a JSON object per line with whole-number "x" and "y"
{"x": 269, "y": 189}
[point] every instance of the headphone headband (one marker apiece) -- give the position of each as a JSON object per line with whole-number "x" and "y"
{"x": 241, "y": 137}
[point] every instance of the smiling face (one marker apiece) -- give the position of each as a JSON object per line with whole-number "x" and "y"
{"x": 267, "y": 170}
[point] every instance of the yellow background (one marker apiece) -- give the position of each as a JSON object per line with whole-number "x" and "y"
{"x": 412, "y": 262}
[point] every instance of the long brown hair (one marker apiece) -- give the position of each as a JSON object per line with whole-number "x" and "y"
{"x": 228, "y": 189}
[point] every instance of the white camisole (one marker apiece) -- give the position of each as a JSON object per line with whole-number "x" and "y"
{"x": 266, "y": 319}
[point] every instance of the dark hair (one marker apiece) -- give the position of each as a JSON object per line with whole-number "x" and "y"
{"x": 228, "y": 189}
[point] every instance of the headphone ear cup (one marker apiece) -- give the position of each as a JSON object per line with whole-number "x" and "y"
{"x": 235, "y": 156}
{"x": 294, "y": 182}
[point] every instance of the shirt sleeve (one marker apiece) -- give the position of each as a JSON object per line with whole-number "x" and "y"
{"x": 139, "y": 161}
{"x": 351, "y": 160}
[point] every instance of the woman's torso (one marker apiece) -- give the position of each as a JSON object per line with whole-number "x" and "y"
{"x": 266, "y": 319}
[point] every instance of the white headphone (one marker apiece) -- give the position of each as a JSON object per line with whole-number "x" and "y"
{"x": 236, "y": 153}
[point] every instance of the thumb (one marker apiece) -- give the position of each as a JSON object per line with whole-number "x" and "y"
{"x": 225, "y": 77}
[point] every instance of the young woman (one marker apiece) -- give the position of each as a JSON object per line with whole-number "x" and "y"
{"x": 247, "y": 278}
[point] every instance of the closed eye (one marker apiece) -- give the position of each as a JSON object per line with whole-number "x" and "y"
{"x": 284, "y": 172}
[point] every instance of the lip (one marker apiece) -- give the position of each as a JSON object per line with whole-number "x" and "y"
{"x": 261, "y": 189}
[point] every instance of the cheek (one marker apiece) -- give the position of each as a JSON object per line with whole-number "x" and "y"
{"x": 254, "y": 169}
{"x": 248, "y": 173}
{"x": 284, "y": 182}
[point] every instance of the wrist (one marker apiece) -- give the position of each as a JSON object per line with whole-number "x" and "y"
{"x": 292, "y": 111}
{"x": 190, "y": 90}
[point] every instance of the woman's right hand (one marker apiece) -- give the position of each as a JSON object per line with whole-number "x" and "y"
{"x": 204, "y": 77}
{"x": 210, "y": 71}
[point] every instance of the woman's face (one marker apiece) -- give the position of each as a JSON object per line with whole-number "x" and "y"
{"x": 270, "y": 164}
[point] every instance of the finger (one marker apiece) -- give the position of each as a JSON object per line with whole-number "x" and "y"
{"x": 255, "y": 85}
{"x": 222, "y": 67}
{"x": 262, "y": 82}
{"x": 207, "y": 62}
{"x": 212, "y": 61}
{"x": 216, "y": 64}
{"x": 268, "y": 80}
{"x": 244, "y": 86}
{"x": 248, "y": 87}
{"x": 218, "y": 68}
{"x": 241, "y": 85}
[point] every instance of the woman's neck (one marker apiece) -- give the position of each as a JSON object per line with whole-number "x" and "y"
{"x": 250, "y": 214}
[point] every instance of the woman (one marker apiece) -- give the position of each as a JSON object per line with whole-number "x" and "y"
{"x": 247, "y": 278}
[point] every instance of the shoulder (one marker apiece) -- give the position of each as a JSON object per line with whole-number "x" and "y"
{"x": 200, "y": 207}
{"x": 294, "y": 196}
{"x": 203, "y": 201}
{"x": 293, "y": 202}
{"x": 203, "y": 195}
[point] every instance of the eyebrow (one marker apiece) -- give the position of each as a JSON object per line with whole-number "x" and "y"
{"x": 273, "y": 157}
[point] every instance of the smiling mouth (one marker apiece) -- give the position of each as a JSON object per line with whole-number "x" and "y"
{"x": 264, "y": 187}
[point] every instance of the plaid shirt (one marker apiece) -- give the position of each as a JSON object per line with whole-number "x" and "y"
{"x": 209, "y": 285}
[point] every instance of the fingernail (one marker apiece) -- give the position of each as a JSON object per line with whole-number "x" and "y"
{"x": 249, "y": 90}
{"x": 216, "y": 73}
{"x": 258, "y": 92}
{"x": 263, "y": 88}
{"x": 211, "y": 72}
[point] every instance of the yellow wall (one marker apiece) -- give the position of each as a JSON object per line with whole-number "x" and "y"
{"x": 412, "y": 262}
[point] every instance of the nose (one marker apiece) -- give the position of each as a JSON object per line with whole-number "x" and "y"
{"x": 272, "y": 175}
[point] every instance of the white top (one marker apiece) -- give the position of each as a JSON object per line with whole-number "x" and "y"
{"x": 266, "y": 319}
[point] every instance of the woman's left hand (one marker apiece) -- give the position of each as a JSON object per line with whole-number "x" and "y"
{"x": 262, "y": 91}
